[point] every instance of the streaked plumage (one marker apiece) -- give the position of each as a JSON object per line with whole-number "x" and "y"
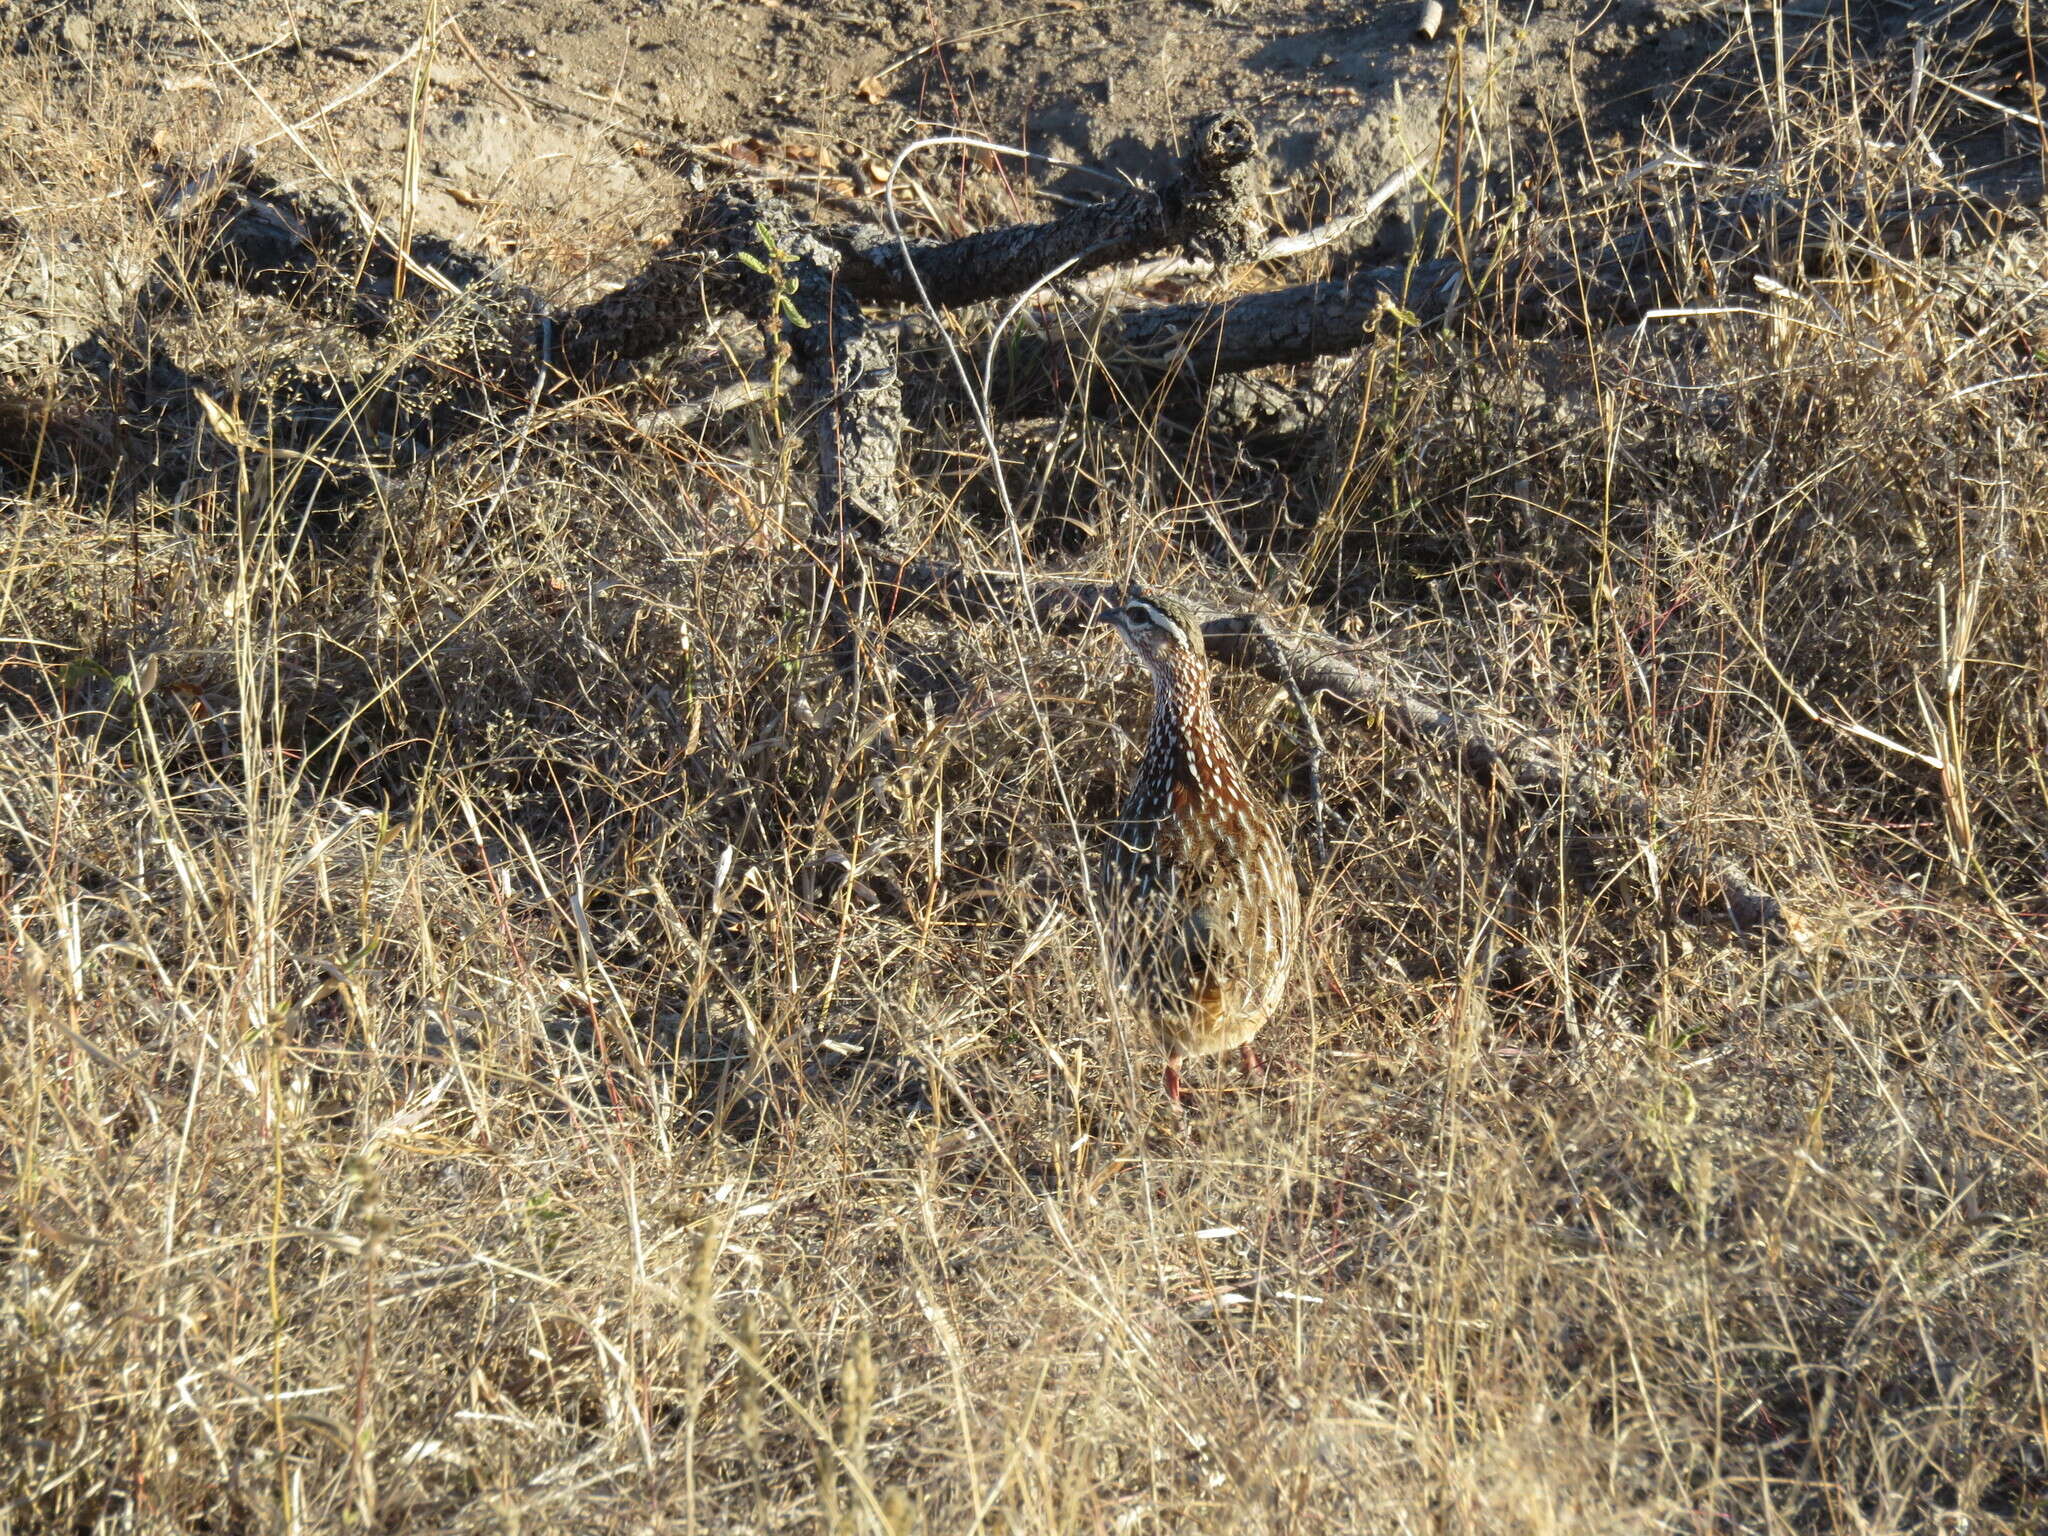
{"x": 1199, "y": 899}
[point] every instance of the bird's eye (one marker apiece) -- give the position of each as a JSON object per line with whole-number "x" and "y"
{"x": 1157, "y": 621}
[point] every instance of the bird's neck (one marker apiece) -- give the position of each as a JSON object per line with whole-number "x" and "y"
{"x": 1184, "y": 723}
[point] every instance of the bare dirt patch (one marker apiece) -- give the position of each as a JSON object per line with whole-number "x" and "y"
{"x": 1341, "y": 96}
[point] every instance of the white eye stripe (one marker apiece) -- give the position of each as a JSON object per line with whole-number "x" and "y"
{"x": 1144, "y": 613}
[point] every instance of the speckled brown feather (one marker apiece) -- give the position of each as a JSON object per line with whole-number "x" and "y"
{"x": 1200, "y": 900}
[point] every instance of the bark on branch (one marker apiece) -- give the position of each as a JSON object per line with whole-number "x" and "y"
{"x": 775, "y": 265}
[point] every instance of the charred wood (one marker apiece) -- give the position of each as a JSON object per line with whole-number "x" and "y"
{"x": 1206, "y": 211}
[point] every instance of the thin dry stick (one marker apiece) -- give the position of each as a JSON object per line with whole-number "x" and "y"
{"x": 517, "y": 101}
{"x": 409, "y": 192}
{"x": 1284, "y": 248}
{"x": 1813, "y": 711}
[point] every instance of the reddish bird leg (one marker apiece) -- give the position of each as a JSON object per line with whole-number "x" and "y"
{"x": 1173, "y": 1088}
{"x": 1248, "y": 1058}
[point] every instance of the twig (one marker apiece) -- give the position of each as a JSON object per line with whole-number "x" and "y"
{"x": 731, "y": 397}
{"x": 1336, "y": 229}
{"x": 1967, "y": 94}
{"x": 1820, "y": 716}
{"x": 1281, "y": 249}
{"x": 490, "y": 75}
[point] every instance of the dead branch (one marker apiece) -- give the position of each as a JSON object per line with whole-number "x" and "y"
{"x": 1286, "y": 325}
{"x": 776, "y": 266}
{"x": 1207, "y": 211}
{"x": 1584, "y": 275}
{"x": 1508, "y": 764}
{"x": 1607, "y": 265}
{"x": 313, "y": 249}
{"x": 1283, "y": 248}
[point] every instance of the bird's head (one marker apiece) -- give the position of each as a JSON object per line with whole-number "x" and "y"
{"x": 1162, "y": 630}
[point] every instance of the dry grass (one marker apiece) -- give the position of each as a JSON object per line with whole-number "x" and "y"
{"x": 499, "y": 1033}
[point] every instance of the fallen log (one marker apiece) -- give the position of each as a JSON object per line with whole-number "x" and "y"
{"x": 1608, "y": 265}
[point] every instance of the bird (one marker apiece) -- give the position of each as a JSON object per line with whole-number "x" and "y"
{"x": 1200, "y": 909}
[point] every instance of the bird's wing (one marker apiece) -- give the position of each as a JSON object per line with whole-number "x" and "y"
{"x": 1204, "y": 944}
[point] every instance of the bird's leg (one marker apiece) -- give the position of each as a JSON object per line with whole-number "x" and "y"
{"x": 1248, "y": 1058}
{"x": 1173, "y": 1088}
